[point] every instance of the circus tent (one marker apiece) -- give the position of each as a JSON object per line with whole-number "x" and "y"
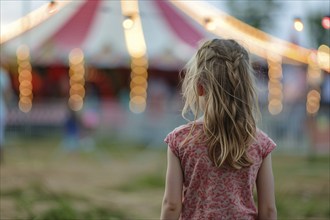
{"x": 96, "y": 27}
{"x": 170, "y": 31}
{"x": 147, "y": 34}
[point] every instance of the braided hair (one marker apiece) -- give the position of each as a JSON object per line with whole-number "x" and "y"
{"x": 222, "y": 68}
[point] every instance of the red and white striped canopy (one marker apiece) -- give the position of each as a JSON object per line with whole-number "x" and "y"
{"x": 96, "y": 27}
{"x": 169, "y": 36}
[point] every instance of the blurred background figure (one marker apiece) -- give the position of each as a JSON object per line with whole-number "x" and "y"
{"x": 90, "y": 116}
{"x": 5, "y": 96}
{"x": 157, "y": 119}
{"x": 71, "y": 141}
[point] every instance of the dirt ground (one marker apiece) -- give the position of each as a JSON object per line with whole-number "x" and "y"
{"x": 97, "y": 177}
{"x": 127, "y": 182}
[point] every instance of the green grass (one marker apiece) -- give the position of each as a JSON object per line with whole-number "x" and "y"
{"x": 301, "y": 182}
{"x": 147, "y": 181}
{"x": 60, "y": 206}
{"x": 302, "y": 186}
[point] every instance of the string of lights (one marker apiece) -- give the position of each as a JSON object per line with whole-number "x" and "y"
{"x": 137, "y": 49}
{"x": 257, "y": 42}
{"x": 275, "y": 87}
{"x": 77, "y": 79}
{"x": 262, "y": 44}
{"x": 314, "y": 79}
{"x": 24, "y": 78}
{"x": 31, "y": 20}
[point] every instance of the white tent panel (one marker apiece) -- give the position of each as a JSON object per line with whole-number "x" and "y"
{"x": 105, "y": 44}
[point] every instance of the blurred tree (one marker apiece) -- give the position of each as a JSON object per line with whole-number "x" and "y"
{"x": 257, "y": 13}
{"x": 317, "y": 33}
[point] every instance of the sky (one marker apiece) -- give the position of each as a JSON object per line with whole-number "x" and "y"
{"x": 12, "y": 10}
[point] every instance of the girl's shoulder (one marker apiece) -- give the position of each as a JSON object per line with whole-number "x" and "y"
{"x": 264, "y": 143}
{"x": 180, "y": 130}
{"x": 179, "y": 134}
{"x": 261, "y": 136}
{"x": 186, "y": 128}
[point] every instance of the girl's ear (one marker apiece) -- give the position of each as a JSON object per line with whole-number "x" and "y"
{"x": 200, "y": 90}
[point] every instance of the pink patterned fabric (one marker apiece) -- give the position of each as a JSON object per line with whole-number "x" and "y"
{"x": 216, "y": 193}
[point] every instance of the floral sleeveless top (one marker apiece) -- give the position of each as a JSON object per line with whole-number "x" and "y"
{"x": 216, "y": 193}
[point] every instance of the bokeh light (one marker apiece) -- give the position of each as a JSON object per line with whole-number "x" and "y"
{"x": 326, "y": 22}
{"x": 298, "y": 24}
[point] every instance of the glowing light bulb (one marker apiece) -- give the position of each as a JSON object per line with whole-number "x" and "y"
{"x": 52, "y": 7}
{"x": 210, "y": 24}
{"x": 128, "y": 23}
{"x": 298, "y": 25}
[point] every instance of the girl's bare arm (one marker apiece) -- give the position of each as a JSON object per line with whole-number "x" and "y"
{"x": 265, "y": 189}
{"x": 172, "y": 201}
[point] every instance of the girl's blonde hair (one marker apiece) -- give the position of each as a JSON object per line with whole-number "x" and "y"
{"x": 222, "y": 69}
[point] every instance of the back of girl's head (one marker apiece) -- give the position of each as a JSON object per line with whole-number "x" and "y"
{"x": 221, "y": 70}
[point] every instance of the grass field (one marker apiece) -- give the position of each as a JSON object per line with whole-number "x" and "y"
{"x": 124, "y": 181}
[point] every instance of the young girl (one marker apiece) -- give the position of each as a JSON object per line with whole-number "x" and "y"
{"x": 215, "y": 160}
